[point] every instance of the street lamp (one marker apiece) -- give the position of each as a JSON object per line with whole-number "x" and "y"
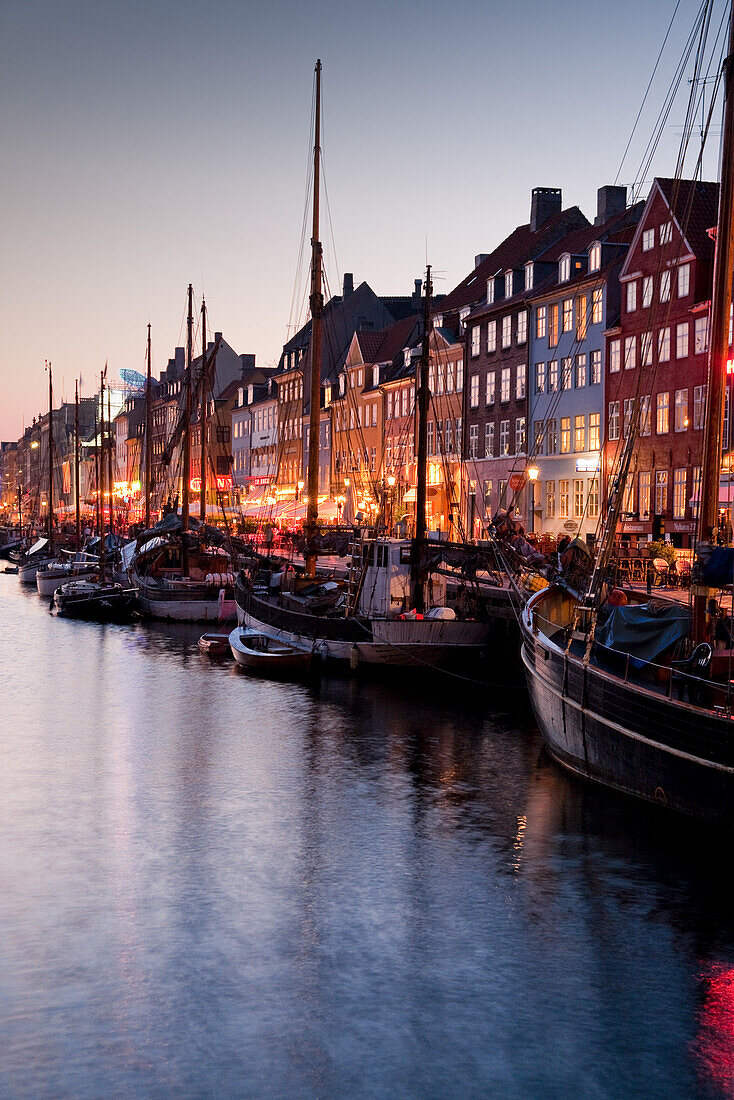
{"x": 532, "y": 472}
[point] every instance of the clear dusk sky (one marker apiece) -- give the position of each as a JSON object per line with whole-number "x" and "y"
{"x": 151, "y": 144}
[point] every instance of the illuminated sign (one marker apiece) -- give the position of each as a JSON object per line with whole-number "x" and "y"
{"x": 588, "y": 465}
{"x": 224, "y": 484}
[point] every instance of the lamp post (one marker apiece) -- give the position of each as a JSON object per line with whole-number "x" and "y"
{"x": 532, "y": 472}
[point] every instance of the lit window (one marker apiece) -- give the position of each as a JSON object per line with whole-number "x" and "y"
{"x": 644, "y": 494}
{"x": 648, "y": 240}
{"x": 699, "y": 406}
{"x": 553, "y": 376}
{"x": 661, "y": 492}
{"x": 681, "y": 410}
{"x": 490, "y": 389}
{"x": 504, "y": 437}
{"x": 565, "y": 435}
{"x": 492, "y": 336}
{"x": 679, "y": 493}
{"x": 508, "y": 284}
{"x": 506, "y": 331}
{"x": 580, "y": 371}
{"x": 505, "y": 384}
{"x": 489, "y": 439}
{"x": 615, "y": 356}
{"x": 474, "y": 392}
{"x": 629, "y": 404}
{"x": 551, "y": 437}
{"x": 581, "y": 317}
{"x": 594, "y": 429}
{"x": 540, "y": 377}
{"x": 553, "y": 325}
{"x": 522, "y": 327}
{"x": 564, "y": 269}
{"x": 700, "y": 335}
{"x": 596, "y": 306}
{"x": 540, "y": 322}
{"x": 538, "y": 432}
{"x": 630, "y": 352}
{"x": 631, "y": 297}
{"x": 579, "y": 432}
{"x": 567, "y": 314}
{"x": 661, "y": 424}
{"x": 647, "y": 291}
{"x": 684, "y": 280}
{"x": 646, "y": 349}
{"x": 681, "y": 340}
{"x": 520, "y": 381}
{"x": 593, "y": 500}
{"x": 578, "y": 498}
{"x": 550, "y": 499}
{"x": 473, "y": 440}
{"x": 665, "y": 286}
{"x": 566, "y": 375}
{"x": 475, "y": 336}
{"x": 664, "y": 345}
{"x": 613, "y": 420}
{"x": 520, "y": 435}
{"x": 563, "y": 501}
{"x": 595, "y": 256}
{"x": 645, "y": 418}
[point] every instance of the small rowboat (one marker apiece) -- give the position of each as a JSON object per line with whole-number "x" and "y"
{"x": 214, "y": 645}
{"x": 262, "y": 653}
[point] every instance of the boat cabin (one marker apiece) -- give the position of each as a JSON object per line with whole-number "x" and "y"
{"x": 381, "y": 569}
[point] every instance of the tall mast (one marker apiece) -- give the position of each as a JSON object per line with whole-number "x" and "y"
{"x": 317, "y": 310}
{"x": 96, "y": 473}
{"x": 50, "y": 459}
{"x": 148, "y": 435}
{"x": 77, "y": 501}
{"x": 186, "y": 440}
{"x": 109, "y": 460}
{"x": 421, "y": 404}
{"x": 101, "y": 476}
{"x": 202, "y": 416}
{"x": 718, "y": 335}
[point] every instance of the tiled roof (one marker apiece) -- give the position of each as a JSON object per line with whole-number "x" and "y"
{"x": 695, "y": 206}
{"x": 521, "y": 246}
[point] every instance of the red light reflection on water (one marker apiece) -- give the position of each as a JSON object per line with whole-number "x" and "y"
{"x": 713, "y": 1048}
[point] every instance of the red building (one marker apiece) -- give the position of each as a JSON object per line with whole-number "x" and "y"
{"x": 657, "y": 358}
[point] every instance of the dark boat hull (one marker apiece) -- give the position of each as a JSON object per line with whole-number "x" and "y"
{"x": 105, "y": 606}
{"x": 629, "y": 737}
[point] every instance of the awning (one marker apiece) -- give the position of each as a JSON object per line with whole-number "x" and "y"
{"x": 409, "y": 498}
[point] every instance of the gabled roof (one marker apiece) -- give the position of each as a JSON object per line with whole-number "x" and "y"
{"x": 695, "y": 206}
{"x": 522, "y": 245}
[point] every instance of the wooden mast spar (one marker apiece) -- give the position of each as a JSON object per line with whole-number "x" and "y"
{"x": 422, "y": 399}
{"x": 202, "y": 417}
{"x": 77, "y": 500}
{"x": 316, "y": 302}
{"x": 50, "y": 459}
{"x": 100, "y": 471}
{"x": 186, "y": 441}
{"x": 148, "y": 435}
{"x": 718, "y": 339}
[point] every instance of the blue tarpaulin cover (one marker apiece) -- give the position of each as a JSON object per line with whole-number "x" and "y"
{"x": 644, "y": 630}
{"x": 719, "y": 569}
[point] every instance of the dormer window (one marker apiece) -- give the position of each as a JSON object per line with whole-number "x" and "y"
{"x": 508, "y": 284}
{"x": 240, "y": 397}
{"x": 327, "y": 395}
{"x": 463, "y": 314}
{"x": 406, "y": 357}
{"x": 375, "y": 376}
{"x": 564, "y": 269}
{"x": 528, "y": 276}
{"x": 595, "y": 256}
{"x": 438, "y": 320}
{"x": 490, "y": 291}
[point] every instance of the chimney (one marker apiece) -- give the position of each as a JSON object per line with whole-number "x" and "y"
{"x": 479, "y": 259}
{"x": 417, "y": 292}
{"x": 544, "y": 203}
{"x": 348, "y": 287}
{"x": 610, "y": 201}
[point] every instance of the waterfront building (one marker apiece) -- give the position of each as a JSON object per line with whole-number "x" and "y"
{"x": 657, "y": 356}
{"x": 487, "y": 314}
{"x": 576, "y": 300}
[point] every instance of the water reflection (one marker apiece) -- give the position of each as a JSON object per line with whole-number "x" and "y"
{"x": 218, "y": 885}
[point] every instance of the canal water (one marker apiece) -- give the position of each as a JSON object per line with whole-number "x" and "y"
{"x": 212, "y": 885}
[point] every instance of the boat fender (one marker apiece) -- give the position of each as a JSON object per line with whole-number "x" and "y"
{"x": 660, "y": 796}
{"x": 353, "y": 657}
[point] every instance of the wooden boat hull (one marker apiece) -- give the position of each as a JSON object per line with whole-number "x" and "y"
{"x": 47, "y": 582}
{"x": 191, "y": 604}
{"x": 627, "y": 736}
{"x": 214, "y": 645}
{"x": 27, "y": 571}
{"x": 404, "y": 643}
{"x": 94, "y": 602}
{"x": 274, "y": 658}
